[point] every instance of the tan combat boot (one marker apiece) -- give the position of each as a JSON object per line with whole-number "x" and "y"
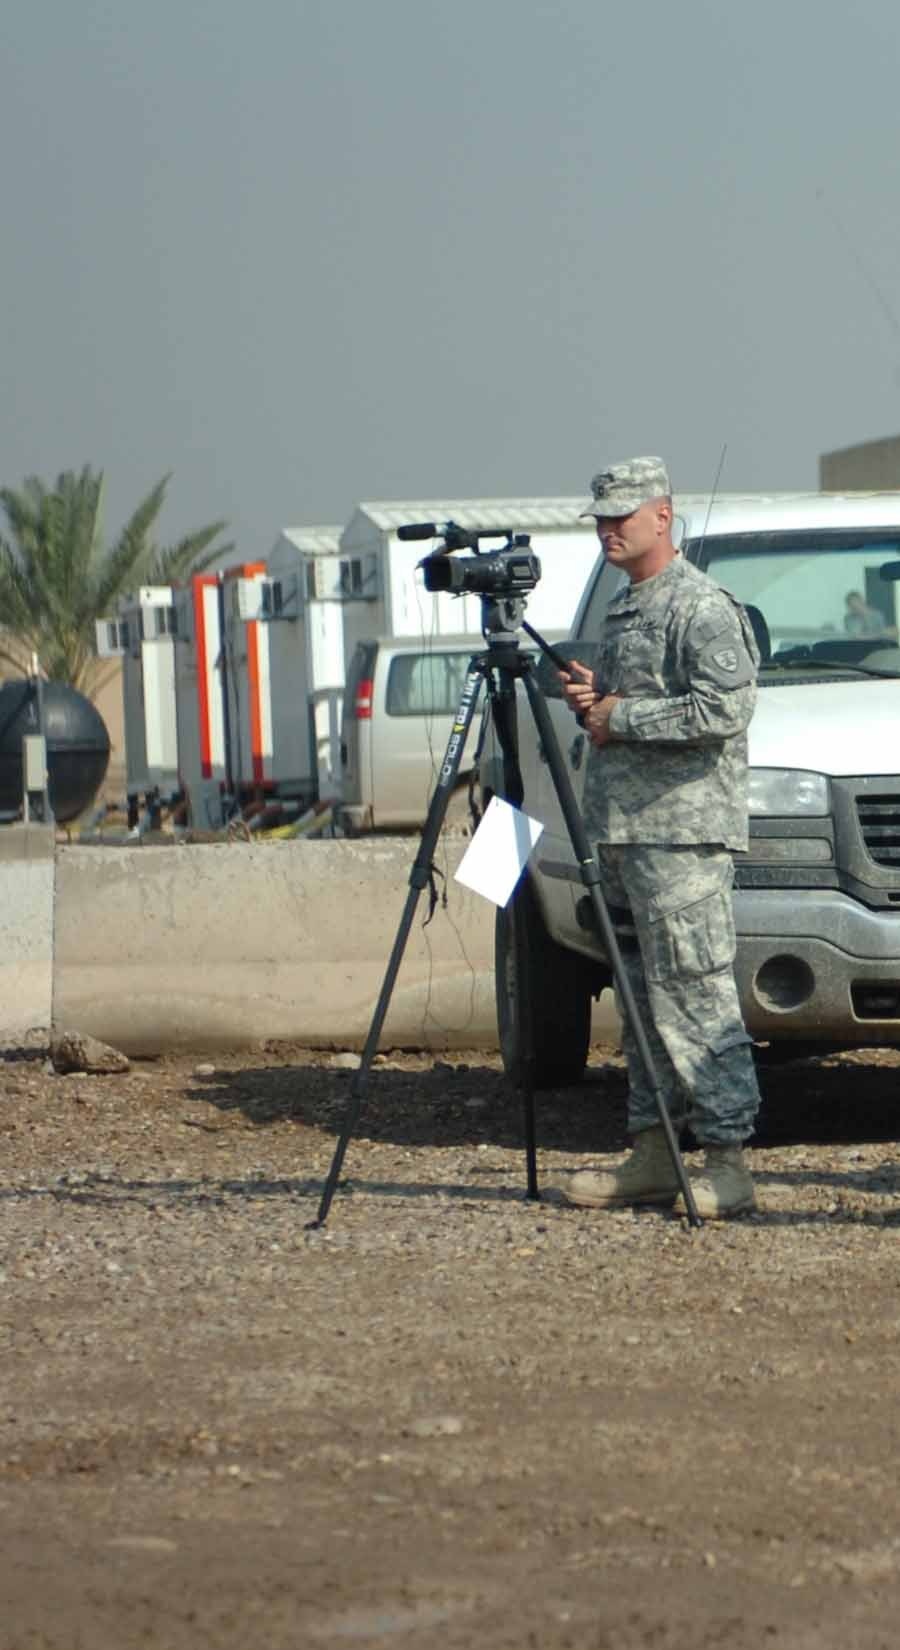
{"x": 646, "y": 1176}
{"x": 722, "y": 1187}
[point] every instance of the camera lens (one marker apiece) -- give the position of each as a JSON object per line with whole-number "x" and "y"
{"x": 437, "y": 571}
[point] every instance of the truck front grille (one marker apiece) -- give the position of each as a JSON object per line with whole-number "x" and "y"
{"x": 879, "y": 821}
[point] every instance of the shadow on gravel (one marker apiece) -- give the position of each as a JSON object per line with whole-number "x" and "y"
{"x": 443, "y": 1105}
{"x": 831, "y": 1102}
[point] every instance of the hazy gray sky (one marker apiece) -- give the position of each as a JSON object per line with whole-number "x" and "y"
{"x": 314, "y": 251}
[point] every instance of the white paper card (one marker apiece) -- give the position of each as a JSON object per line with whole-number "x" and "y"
{"x": 498, "y": 852}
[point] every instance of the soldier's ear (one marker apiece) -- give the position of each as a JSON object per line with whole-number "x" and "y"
{"x": 664, "y": 515}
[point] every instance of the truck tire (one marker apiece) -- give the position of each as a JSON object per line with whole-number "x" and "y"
{"x": 560, "y": 988}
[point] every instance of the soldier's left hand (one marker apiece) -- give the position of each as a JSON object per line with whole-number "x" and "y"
{"x": 596, "y": 720}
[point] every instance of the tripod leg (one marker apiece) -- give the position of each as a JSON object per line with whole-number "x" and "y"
{"x": 590, "y": 876}
{"x": 532, "y": 1189}
{"x": 360, "y": 1080}
{"x": 525, "y": 1009}
{"x": 503, "y": 715}
{"x": 419, "y": 878}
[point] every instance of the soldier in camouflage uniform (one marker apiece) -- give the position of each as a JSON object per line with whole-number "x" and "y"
{"x": 666, "y": 801}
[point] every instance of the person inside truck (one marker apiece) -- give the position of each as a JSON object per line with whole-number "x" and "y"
{"x": 665, "y": 802}
{"x": 862, "y": 620}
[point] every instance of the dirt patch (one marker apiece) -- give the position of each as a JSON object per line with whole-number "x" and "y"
{"x": 452, "y": 1416}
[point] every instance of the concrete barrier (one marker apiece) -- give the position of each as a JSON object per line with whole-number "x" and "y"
{"x": 229, "y": 944}
{"x": 27, "y": 872}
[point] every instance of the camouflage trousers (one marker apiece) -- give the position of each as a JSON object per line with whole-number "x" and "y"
{"x": 672, "y": 912}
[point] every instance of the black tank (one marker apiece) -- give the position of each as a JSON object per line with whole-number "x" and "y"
{"x": 77, "y": 746}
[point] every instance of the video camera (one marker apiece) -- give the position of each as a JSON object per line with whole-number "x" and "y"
{"x": 512, "y": 571}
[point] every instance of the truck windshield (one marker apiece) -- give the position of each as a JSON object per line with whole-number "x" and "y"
{"x": 814, "y": 595}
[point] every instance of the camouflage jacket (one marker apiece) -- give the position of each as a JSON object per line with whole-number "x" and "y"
{"x": 682, "y": 654}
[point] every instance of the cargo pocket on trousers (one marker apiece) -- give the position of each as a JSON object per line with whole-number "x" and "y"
{"x": 690, "y": 940}
{"x": 729, "y": 1041}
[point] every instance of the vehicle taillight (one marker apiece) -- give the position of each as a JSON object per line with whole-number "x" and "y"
{"x": 362, "y": 704}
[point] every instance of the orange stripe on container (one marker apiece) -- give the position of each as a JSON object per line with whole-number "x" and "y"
{"x": 200, "y": 585}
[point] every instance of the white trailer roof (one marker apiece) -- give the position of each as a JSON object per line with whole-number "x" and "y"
{"x": 314, "y": 541}
{"x": 529, "y": 513}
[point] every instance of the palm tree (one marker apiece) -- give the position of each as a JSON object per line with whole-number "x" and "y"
{"x": 58, "y": 576}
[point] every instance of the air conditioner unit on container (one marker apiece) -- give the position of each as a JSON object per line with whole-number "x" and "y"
{"x": 280, "y": 599}
{"x": 359, "y": 578}
{"x": 111, "y": 638}
{"x": 254, "y": 599}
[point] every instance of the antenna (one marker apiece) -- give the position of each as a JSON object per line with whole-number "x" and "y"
{"x": 712, "y": 496}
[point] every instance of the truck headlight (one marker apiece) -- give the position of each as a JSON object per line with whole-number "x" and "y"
{"x": 786, "y": 792}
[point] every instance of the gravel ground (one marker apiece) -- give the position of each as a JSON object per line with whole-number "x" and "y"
{"x": 451, "y": 1416}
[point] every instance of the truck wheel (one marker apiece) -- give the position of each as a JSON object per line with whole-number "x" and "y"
{"x": 559, "y": 988}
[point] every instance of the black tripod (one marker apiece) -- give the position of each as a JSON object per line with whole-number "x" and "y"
{"x": 501, "y": 665}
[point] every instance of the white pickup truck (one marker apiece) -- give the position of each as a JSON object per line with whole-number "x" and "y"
{"x": 817, "y": 896}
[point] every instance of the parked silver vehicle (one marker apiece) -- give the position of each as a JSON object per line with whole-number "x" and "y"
{"x": 817, "y": 896}
{"x": 399, "y": 704}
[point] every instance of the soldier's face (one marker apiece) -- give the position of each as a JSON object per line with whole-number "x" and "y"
{"x": 626, "y": 539}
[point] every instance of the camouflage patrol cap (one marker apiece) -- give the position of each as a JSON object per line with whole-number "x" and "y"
{"x": 624, "y": 487}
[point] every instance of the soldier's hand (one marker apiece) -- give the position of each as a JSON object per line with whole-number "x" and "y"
{"x": 578, "y": 687}
{"x": 596, "y": 719}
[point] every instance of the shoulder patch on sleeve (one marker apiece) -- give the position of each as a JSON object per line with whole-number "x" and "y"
{"x": 726, "y": 659}
{"x": 721, "y": 639}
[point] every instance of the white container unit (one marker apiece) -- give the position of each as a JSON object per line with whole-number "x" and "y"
{"x": 148, "y": 688}
{"x": 306, "y": 661}
{"x": 142, "y": 635}
{"x": 223, "y": 690}
{"x": 385, "y": 589}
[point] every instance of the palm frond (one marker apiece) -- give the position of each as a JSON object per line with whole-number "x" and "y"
{"x": 80, "y": 531}
{"x": 57, "y": 577}
{"x": 190, "y": 555}
{"x": 127, "y": 562}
